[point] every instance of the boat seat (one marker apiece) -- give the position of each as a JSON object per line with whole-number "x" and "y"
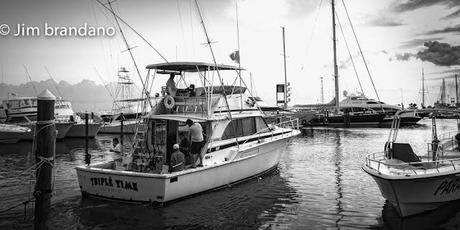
{"x": 404, "y": 152}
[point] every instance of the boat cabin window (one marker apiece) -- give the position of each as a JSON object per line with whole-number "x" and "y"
{"x": 244, "y": 127}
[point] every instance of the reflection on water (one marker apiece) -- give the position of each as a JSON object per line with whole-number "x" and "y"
{"x": 338, "y": 178}
{"x": 319, "y": 184}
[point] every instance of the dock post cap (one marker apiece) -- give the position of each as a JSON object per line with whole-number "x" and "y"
{"x": 46, "y": 95}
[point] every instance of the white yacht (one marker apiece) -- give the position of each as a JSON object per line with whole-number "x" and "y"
{"x": 239, "y": 144}
{"x": 414, "y": 183}
{"x": 360, "y": 103}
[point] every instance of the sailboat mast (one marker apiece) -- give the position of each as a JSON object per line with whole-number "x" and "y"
{"x": 423, "y": 88}
{"x": 285, "y": 73}
{"x": 336, "y": 71}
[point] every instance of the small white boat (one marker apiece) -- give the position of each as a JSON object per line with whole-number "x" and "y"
{"x": 10, "y": 134}
{"x": 239, "y": 144}
{"x": 29, "y": 121}
{"x": 63, "y": 112}
{"x": 413, "y": 185}
{"x": 130, "y": 122}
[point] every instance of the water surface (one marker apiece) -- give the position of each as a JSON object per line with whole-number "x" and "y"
{"x": 319, "y": 184}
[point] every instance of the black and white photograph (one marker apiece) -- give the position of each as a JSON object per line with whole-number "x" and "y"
{"x": 229, "y": 114}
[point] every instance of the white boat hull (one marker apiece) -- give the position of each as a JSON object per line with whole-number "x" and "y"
{"x": 162, "y": 188}
{"x": 78, "y": 130}
{"x": 411, "y": 195}
{"x": 129, "y": 127}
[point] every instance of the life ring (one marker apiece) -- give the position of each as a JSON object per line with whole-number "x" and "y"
{"x": 169, "y": 102}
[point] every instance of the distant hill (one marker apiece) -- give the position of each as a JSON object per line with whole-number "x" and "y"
{"x": 85, "y": 95}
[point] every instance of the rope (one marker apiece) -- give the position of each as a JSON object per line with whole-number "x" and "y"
{"x": 361, "y": 52}
{"x": 349, "y": 53}
{"x": 17, "y": 205}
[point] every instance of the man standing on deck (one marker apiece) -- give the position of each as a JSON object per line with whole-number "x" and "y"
{"x": 196, "y": 136}
{"x": 171, "y": 88}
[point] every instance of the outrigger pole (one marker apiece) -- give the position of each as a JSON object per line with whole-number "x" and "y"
{"x": 144, "y": 87}
{"x": 124, "y": 22}
{"x": 208, "y": 41}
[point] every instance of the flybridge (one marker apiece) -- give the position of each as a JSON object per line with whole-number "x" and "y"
{"x": 190, "y": 67}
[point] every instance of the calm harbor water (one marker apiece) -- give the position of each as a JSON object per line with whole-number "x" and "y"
{"x": 319, "y": 184}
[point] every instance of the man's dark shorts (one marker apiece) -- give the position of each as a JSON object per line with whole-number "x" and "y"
{"x": 196, "y": 147}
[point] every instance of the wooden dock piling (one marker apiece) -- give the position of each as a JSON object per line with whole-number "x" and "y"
{"x": 87, "y": 156}
{"x": 45, "y": 138}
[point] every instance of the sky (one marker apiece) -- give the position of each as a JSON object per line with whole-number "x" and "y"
{"x": 397, "y": 38}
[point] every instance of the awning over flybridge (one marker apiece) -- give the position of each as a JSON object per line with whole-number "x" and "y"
{"x": 190, "y": 67}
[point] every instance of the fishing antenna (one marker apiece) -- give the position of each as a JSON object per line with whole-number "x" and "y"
{"x": 105, "y": 84}
{"x": 54, "y": 82}
{"x": 30, "y": 79}
{"x": 130, "y": 52}
{"x": 208, "y": 41}
{"x": 124, "y": 22}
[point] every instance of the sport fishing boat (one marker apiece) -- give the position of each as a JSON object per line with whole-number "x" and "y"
{"x": 239, "y": 145}
{"x": 10, "y": 134}
{"x": 125, "y": 108}
{"x": 23, "y": 111}
{"x": 412, "y": 184}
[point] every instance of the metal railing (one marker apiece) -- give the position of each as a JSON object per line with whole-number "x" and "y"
{"x": 292, "y": 123}
{"x": 407, "y": 168}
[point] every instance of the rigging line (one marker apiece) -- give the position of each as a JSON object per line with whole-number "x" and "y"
{"x": 314, "y": 25}
{"x": 54, "y": 82}
{"x": 137, "y": 33}
{"x": 181, "y": 25}
{"x": 349, "y": 53}
{"x": 129, "y": 49}
{"x": 361, "y": 52}
{"x": 105, "y": 83}
{"x": 208, "y": 41}
{"x": 30, "y": 79}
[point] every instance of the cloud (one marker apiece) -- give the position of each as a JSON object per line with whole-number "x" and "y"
{"x": 383, "y": 21}
{"x": 417, "y": 42}
{"x": 454, "y": 29}
{"x": 441, "y": 54}
{"x": 446, "y": 71}
{"x": 403, "y": 56}
{"x": 452, "y": 15}
{"x": 409, "y": 5}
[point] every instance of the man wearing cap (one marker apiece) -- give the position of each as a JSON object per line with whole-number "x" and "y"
{"x": 177, "y": 159}
{"x": 196, "y": 136}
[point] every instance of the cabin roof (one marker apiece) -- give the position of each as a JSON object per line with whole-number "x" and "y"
{"x": 190, "y": 66}
{"x": 178, "y": 117}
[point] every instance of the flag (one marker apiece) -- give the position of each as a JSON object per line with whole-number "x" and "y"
{"x": 235, "y": 56}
